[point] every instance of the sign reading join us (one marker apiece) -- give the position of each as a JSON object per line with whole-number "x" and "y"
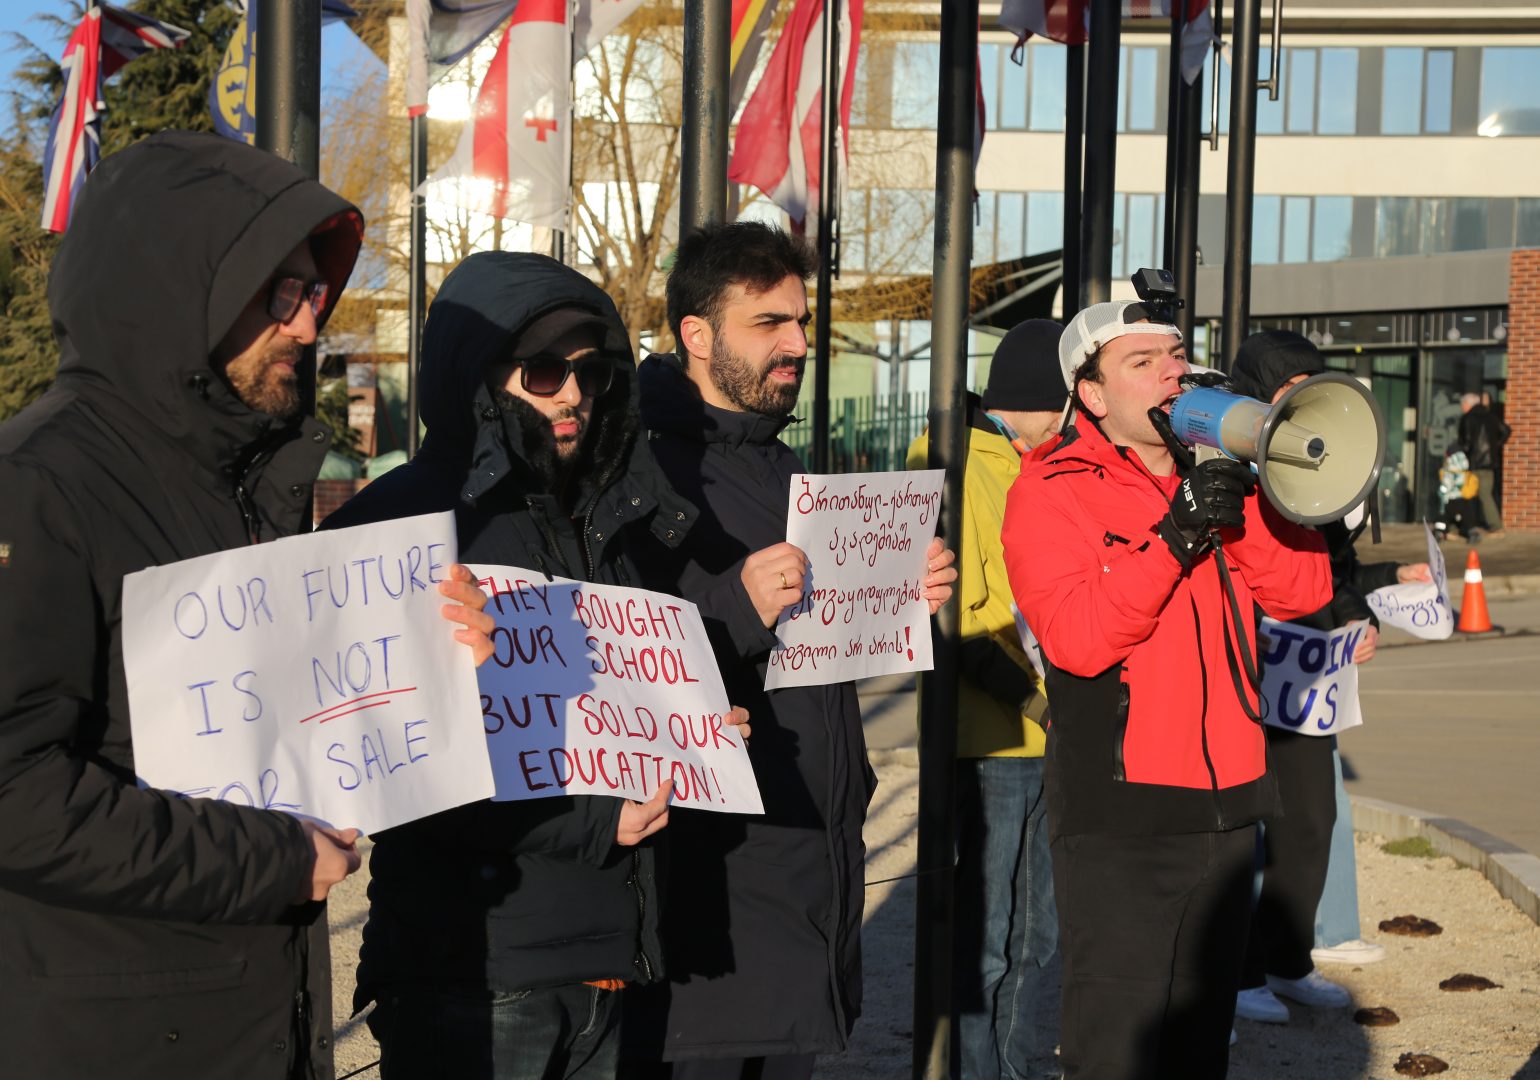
{"x": 313, "y": 674}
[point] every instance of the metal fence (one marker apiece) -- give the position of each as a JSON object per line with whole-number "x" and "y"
{"x": 866, "y": 434}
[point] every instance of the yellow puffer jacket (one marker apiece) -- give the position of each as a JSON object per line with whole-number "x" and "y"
{"x": 987, "y": 726}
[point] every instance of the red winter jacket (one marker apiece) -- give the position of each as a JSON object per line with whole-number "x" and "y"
{"x": 1149, "y": 735}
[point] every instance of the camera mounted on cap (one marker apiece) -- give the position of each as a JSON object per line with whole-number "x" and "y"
{"x": 1157, "y": 293}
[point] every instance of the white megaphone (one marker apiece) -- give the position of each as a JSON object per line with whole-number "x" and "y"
{"x": 1317, "y": 452}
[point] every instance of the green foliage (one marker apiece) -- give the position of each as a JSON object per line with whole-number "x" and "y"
{"x": 166, "y": 88}
{"x": 331, "y": 408}
{"x": 1415, "y": 846}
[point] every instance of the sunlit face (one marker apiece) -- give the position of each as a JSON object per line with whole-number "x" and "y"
{"x": 753, "y": 361}
{"x": 1139, "y": 372}
{"x": 258, "y": 355}
{"x": 1287, "y": 386}
{"x": 566, "y": 412}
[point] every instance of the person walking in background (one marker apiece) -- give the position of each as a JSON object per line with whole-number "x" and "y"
{"x": 1482, "y": 435}
{"x": 1006, "y": 925}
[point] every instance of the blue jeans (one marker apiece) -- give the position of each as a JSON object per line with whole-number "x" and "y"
{"x": 1336, "y": 918}
{"x": 1007, "y": 927}
{"x": 556, "y": 1033}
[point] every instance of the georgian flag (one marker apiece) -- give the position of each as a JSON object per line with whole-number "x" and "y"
{"x": 441, "y": 33}
{"x": 106, "y": 39}
{"x": 778, "y": 136}
{"x": 512, "y": 160}
{"x": 1067, "y": 22}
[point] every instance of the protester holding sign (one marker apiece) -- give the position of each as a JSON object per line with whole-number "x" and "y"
{"x": 499, "y": 932}
{"x": 762, "y": 925}
{"x": 143, "y": 934}
{"x": 1300, "y": 741}
{"x": 1156, "y": 771}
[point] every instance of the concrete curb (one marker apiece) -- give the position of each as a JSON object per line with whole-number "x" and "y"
{"x": 1498, "y": 586}
{"x": 1514, "y": 872}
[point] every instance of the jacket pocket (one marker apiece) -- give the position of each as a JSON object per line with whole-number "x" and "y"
{"x": 1120, "y": 732}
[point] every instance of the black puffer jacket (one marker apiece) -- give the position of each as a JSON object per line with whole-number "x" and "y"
{"x": 762, "y": 916}
{"x": 141, "y": 934}
{"x": 1481, "y": 436}
{"x": 512, "y": 895}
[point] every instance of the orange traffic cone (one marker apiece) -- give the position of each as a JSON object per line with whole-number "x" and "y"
{"x": 1473, "y": 605}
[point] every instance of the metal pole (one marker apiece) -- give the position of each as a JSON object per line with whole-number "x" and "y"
{"x": 1185, "y": 219}
{"x": 828, "y": 163}
{"x": 708, "y": 29}
{"x": 1240, "y": 178}
{"x": 1074, "y": 148}
{"x": 1101, "y": 132}
{"x": 417, "y": 276}
{"x": 948, "y": 393}
{"x": 1174, "y": 118}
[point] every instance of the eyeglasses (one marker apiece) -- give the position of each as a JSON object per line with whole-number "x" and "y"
{"x": 544, "y": 374}
{"x": 289, "y": 292}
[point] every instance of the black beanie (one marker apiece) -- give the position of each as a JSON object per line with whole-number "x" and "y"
{"x": 1024, "y": 375}
{"x": 1270, "y": 358}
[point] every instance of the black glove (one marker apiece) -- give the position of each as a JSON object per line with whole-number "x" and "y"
{"x": 1211, "y": 496}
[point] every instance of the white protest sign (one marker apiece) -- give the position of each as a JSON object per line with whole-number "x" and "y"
{"x": 1418, "y": 607}
{"x": 313, "y": 674}
{"x": 863, "y": 609}
{"x": 605, "y": 690}
{"x": 1309, "y": 680}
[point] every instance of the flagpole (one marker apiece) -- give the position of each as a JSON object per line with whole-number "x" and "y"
{"x": 828, "y": 268}
{"x": 933, "y": 904}
{"x": 417, "y": 273}
{"x": 1101, "y": 133}
{"x": 708, "y": 30}
{"x": 1074, "y": 150}
{"x": 1240, "y": 178}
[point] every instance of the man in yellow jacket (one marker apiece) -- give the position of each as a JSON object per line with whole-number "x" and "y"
{"x": 1006, "y": 922}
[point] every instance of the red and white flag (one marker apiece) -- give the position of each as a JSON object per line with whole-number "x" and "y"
{"x": 441, "y": 33}
{"x": 512, "y": 160}
{"x": 1067, "y": 22}
{"x": 778, "y": 135}
{"x": 106, "y": 39}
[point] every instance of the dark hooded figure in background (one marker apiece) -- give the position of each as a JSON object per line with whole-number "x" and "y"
{"x": 143, "y": 934}
{"x": 499, "y": 933}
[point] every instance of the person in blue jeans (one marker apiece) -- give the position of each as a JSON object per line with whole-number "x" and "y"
{"x": 1006, "y": 926}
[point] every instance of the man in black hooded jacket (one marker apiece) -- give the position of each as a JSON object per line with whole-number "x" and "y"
{"x": 143, "y": 934}
{"x": 499, "y": 932}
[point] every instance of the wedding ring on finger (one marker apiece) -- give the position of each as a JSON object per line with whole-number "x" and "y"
{"x": 783, "y": 580}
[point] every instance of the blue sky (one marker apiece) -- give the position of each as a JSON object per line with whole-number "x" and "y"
{"x": 339, "y": 48}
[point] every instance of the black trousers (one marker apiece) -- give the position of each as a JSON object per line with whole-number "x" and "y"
{"x": 1151, "y": 930}
{"x": 777, "y": 1067}
{"x": 1296, "y": 848}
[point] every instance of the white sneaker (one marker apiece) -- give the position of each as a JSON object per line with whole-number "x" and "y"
{"x": 1350, "y": 952}
{"x": 1260, "y": 1004}
{"x": 1312, "y": 989}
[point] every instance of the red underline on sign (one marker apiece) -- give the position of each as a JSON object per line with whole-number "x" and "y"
{"x": 332, "y": 713}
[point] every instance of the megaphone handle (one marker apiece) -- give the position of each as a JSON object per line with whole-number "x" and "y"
{"x": 1185, "y": 462}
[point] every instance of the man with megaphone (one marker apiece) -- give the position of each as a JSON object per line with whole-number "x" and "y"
{"x": 1156, "y": 768}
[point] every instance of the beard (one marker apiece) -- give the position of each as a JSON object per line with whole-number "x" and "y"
{"x": 550, "y": 458}
{"x": 264, "y": 384}
{"x": 751, "y": 387}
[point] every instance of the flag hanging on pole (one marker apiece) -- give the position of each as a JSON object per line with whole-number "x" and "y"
{"x": 441, "y": 33}
{"x": 1068, "y": 22}
{"x": 778, "y": 136}
{"x": 596, "y": 19}
{"x": 512, "y": 159}
{"x": 233, "y": 91}
{"x": 751, "y": 19}
{"x": 105, "y": 40}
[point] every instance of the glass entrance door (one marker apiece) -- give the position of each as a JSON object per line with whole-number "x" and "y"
{"x": 1447, "y": 374}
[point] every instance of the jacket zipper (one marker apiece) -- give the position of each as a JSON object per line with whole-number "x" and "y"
{"x": 641, "y": 912}
{"x": 1120, "y": 731}
{"x": 1208, "y": 760}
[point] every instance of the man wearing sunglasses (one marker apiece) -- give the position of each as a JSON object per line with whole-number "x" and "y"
{"x": 500, "y": 933}
{"x": 143, "y": 934}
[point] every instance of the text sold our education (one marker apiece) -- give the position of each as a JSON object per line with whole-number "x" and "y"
{"x": 605, "y": 690}
{"x": 863, "y": 610}
{"x": 312, "y": 674}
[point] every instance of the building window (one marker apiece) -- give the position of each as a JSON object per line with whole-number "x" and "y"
{"x": 1337, "y": 96}
{"x": 916, "y": 75}
{"x": 1299, "y": 87}
{"x": 1048, "y": 75}
{"x": 1142, "y": 94}
{"x": 1438, "y": 101}
{"x": 1045, "y": 221}
{"x": 1526, "y": 231}
{"x": 1013, "y": 94}
{"x": 1331, "y": 234}
{"x": 1510, "y": 91}
{"x": 1401, "y": 93}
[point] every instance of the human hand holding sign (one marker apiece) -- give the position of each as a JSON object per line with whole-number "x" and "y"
{"x": 336, "y": 856}
{"x": 469, "y": 610}
{"x": 773, "y": 577}
{"x": 1367, "y": 645}
{"x": 938, "y": 582}
{"x": 1407, "y": 573}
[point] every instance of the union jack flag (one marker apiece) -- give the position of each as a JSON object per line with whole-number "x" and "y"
{"x": 106, "y": 39}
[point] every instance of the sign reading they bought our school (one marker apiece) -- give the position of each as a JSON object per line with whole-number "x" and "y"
{"x": 313, "y": 674}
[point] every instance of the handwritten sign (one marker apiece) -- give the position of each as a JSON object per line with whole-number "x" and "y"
{"x": 1309, "y": 680}
{"x": 1419, "y": 607}
{"x": 605, "y": 690}
{"x": 863, "y": 609}
{"x": 313, "y": 674}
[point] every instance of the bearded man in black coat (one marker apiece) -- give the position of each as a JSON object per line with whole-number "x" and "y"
{"x": 762, "y": 916}
{"x": 144, "y": 934}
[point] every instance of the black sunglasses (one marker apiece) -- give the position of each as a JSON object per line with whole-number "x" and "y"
{"x": 288, "y": 293}
{"x": 545, "y": 374}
